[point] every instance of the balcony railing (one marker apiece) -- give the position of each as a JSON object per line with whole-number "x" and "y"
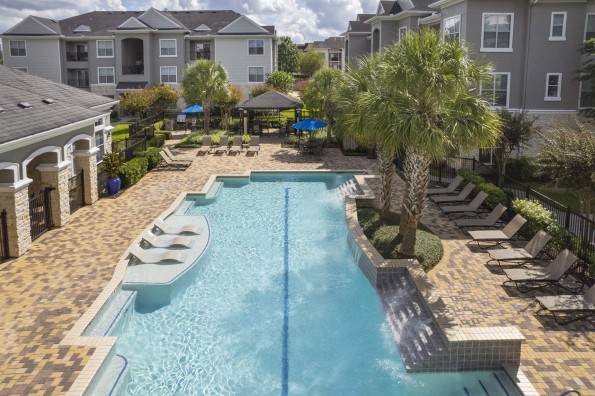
{"x": 196, "y": 55}
{"x": 79, "y": 82}
{"x": 133, "y": 69}
{"x": 77, "y": 56}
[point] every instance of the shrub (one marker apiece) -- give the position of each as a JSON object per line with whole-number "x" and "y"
{"x": 470, "y": 176}
{"x": 152, "y": 155}
{"x": 260, "y": 89}
{"x": 156, "y": 141}
{"x": 132, "y": 171}
{"x": 520, "y": 169}
{"x": 111, "y": 164}
{"x": 495, "y": 195}
{"x": 166, "y": 134}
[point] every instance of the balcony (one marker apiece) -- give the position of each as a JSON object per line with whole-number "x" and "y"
{"x": 79, "y": 82}
{"x": 77, "y": 56}
{"x": 196, "y": 55}
{"x": 133, "y": 57}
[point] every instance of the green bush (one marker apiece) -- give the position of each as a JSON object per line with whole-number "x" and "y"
{"x": 495, "y": 195}
{"x": 166, "y": 134}
{"x": 470, "y": 176}
{"x": 592, "y": 265}
{"x": 520, "y": 169}
{"x": 156, "y": 141}
{"x": 132, "y": 171}
{"x": 152, "y": 155}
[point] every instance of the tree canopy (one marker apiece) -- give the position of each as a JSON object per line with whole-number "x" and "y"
{"x": 281, "y": 81}
{"x": 287, "y": 55}
{"x": 324, "y": 87}
{"x": 137, "y": 102}
{"x": 227, "y": 100}
{"x": 516, "y": 130}
{"x": 310, "y": 62}
{"x": 164, "y": 96}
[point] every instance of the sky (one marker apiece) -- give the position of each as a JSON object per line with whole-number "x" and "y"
{"x": 302, "y": 20}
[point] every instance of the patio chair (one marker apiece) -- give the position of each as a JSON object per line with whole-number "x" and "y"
{"x": 223, "y": 143}
{"x": 174, "y": 158}
{"x": 470, "y": 207}
{"x": 236, "y": 146}
{"x": 571, "y": 307}
{"x": 462, "y": 196}
{"x": 498, "y": 236}
{"x": 174, "y": 164}
{"x": 164, "y": 241}
{"x": 529, "y": 279}
{"x": 157, "y": 255}
{"x": 489, "y": 221}
{"x": 207, "y": 142}
{"x": 448, "y": 189}
{"x": 167, "y": 228}
{"x": 521, "y": 255}
{"x": 254, "y": 147}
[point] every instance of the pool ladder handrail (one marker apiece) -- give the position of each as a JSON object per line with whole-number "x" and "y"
{"x": 570, "y": 391}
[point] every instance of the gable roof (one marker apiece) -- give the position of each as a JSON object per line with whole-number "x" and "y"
{"x": 243, "y": 25}
{"x": 359, "y": 27}
{"x": 132, "y": 23}
{"x": 70, "y": 105}
{"x": 35, "y": 26}
{"x": 331, "y": 43}
{"x": 271, "y": 100}
{"x": 159, "y": 20}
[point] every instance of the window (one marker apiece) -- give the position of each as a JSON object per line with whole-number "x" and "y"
{"x": 590, "y": 27}
{"x": 496, "y": 90}
{"x": 553, "y": 86}
{"x": 558, "y": 26}
{"x": 256, "y": 74}
{"x": 105, "y": 48}
{"x": 100, "y": 144}
{"x": 255, "y": 47}
{"x": 587, "y": 98}
{"x": 497, "y": 32}
{"x": 452, "y": 28}
{"x": 402, "y": 32}
{"x": 486, "y": 156}
{"x": 106, "y": 75}
{"x": 169, "y": 74}
{"x": 18, "y": 48}
{"x": 203, "y": 51}
{"x": 167, "y": 47}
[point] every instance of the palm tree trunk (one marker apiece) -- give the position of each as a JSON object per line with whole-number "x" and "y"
{"x": 207, "y": 120}
{"x": 417, "y": 169}
{"x": 387, "y": 171}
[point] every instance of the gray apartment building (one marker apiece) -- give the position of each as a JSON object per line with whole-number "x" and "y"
{"x": 533, "y": 46}
{"x": 332, "y": 50}
{"x": 110, "y": 52}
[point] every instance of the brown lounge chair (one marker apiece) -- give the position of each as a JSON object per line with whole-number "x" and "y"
{"x": 174, "y": 164}
{"x": 521, "y": 255}
{"x": 254, "y": 147}
{"x": 572, "y": 307}
{"x": 529, "y": 279}
{"x": 207, "y": 142}
{"x": 236, "y": 146}
{"x": 498, "y": 236}
{"x": 487, "y": 222}
{"x": 448, "y": 189}
{"x": 470, "y": 207}
{"x": 462, "y": 196}
{"x": 175, "y": 158}
{"x": 223, "y": 143}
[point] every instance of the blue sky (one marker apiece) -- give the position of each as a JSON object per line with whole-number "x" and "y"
{"x": 303, "y": 20}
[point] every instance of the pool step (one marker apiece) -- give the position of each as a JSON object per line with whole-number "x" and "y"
{"x": 112, "y": 378}
{"x": 498, "y": 387}
{"x": 111, "y": 313}
{"x": 350, "y": 187}
{"x": 214, "y": 190}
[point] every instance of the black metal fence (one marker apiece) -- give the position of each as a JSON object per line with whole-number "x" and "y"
{"x": 76, "y": 191}
{"x": 4, "y": 250}
{"x": 127, "y": 148}
{"x": 40, "y": 213}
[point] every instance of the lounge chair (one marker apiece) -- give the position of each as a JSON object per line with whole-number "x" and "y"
{"x": 164, "y": 241}
{"x": 175, "y": 158}
{"x": 470, "y": 207}
{"x": 207, "y": 142}
{"x": 448, "y": 189}
{"x": 236, "y": 146}
{"x": 521, "y": 255}
{"x": 254, "y": 145}
{"x": 155, "y": 255}
{"x": 174, "y": 164}
{"x": 573, "y": 307}
{"x": 489, "y": 221}
{"x": 530, "y": 279}
{"x": 223, "y": 142}
{"x": 462, "y": 196}
{"x": 178, "y": 229}
{"x": 498, "y": 236}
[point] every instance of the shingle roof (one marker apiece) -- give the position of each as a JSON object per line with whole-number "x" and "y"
{"x": 126, "y": 85}
{"x": 271, "y": 100}
{"x": 358, "y": 26}
{"x": 70, "y": 105}
{"x": 331, "y": 42}
{"x": 364, "y": 17}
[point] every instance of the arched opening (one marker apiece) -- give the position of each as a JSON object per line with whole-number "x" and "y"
{"x": 45, "y": 155}
{"x": 376, "y": 40}
{"x": 9, "y": 173}
{"x": 133, "y": 57}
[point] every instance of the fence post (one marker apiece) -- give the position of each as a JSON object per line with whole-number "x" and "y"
{"x": 440, "y": 173}
{"x": 48, "y": 207}
{"x": 567, "y": 220}
{"x": 473, "y": 165}
{"x": 4, "y": 224}
{"x": 82, "y": 187}
{"x": 527, "y": 192}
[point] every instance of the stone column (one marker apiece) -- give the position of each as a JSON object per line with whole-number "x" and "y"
{"x": 56, "y": 176}
{"x": 245, "y": 115}
{"x": 14, "y": 199}
{"x": 86, "y": 161}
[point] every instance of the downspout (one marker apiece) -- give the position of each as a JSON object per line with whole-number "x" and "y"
{"x": 526, "y": 66}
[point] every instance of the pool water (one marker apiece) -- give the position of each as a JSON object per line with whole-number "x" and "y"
{"x": 278, "y": 305}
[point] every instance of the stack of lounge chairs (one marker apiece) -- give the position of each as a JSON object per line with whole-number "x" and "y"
{"x": 237, "y": 145}
{"x": 172, "y": 162}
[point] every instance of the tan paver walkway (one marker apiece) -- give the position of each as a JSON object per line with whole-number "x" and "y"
{"x": 44, "y": 292}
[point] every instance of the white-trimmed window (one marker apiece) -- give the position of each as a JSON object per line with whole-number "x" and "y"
{"x": 402, "y": 32}
{"x": 587, "y": 98}
{"x": 167, "y": 47}
{"x": 105, "y": 48}
{"x": 18, "y": 48}
{"x": 255, "y": 74}
{"x": 100, "y": 144}
{"x": 452, "y": 29}
{"x": 553, "y": 86}
{"x": 496, "y": 90}
{"x": 169, "y": 74}
{"x": 590, "y": 27}
{"x": 105, "y": 75}
{"x": 558, "y": 26}
{"x": 496, "y": 32}
{"x": 255, "y": 47}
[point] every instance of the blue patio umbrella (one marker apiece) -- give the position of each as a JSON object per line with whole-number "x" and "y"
{"x": 309, "y": 124}
{"x": 193, "y": 109}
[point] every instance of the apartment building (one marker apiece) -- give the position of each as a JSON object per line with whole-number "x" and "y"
{"x": 357, "y": 38}
{"x": 111, "y": 52}
{"x": 331, "y": 49}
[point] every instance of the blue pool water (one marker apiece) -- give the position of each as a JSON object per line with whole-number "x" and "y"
{"x": 277, "y": 306}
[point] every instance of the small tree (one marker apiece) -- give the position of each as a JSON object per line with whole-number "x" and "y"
{"x": 259, "y": 89}
{"x": 138, "y": 102}
{"x": 587, "y": 75}
{"x": 281, "y": 81}
{"x": 569, "y": 158}
{"x": 310, "y": 62}
{"x": 165, "y": 96}
{"x": 324, "y": 86}
{"x": 287, "y": 55}
{"x": 515, "y": 131}
{"x": 311, "y": 97}
{"x": 227, "y": 101}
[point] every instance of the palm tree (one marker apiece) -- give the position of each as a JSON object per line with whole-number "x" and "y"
{"x": 324, "y": 84}
{"x": 203, "y": 82}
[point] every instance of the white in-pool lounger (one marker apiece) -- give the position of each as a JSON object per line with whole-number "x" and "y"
{"x": 168, "y": 240}
{"x": 157, "y": 255}
{"x": 178, "y": 228}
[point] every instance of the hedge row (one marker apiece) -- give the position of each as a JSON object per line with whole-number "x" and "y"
{"x": 495, "y": 194}
{"x": 132, "y": 171}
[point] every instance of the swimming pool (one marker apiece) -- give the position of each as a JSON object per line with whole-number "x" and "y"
{"x": 277, "y": 305}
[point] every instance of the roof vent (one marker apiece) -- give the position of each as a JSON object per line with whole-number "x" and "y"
{"x": 1, "y": 110}
{"x": 25, "y": 105}
{"x": 48, "y": 101}
{"x": 53, "y": 20}
{"x": 82, "y": 28}
{"x": 202, "y": 28}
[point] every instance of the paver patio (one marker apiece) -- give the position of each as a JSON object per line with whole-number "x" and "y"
{"x": 44, "y": 292}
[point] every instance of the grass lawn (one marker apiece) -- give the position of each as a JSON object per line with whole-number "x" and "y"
{"x": 384, "y": 237}
{"x": 120, "y": 132}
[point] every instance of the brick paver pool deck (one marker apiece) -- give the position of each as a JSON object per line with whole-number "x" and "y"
{"x": 44, "y": 292}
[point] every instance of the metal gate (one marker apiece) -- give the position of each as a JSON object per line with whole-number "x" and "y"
{"x": 76, "y": 190}
{"x": 4, "y": 252}
{"x": 40, "y": 213}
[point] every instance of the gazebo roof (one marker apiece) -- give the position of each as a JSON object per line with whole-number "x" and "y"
{"x": 271, "y": 100}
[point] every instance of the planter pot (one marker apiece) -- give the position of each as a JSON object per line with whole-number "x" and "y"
{"x": 113, "y": 185}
